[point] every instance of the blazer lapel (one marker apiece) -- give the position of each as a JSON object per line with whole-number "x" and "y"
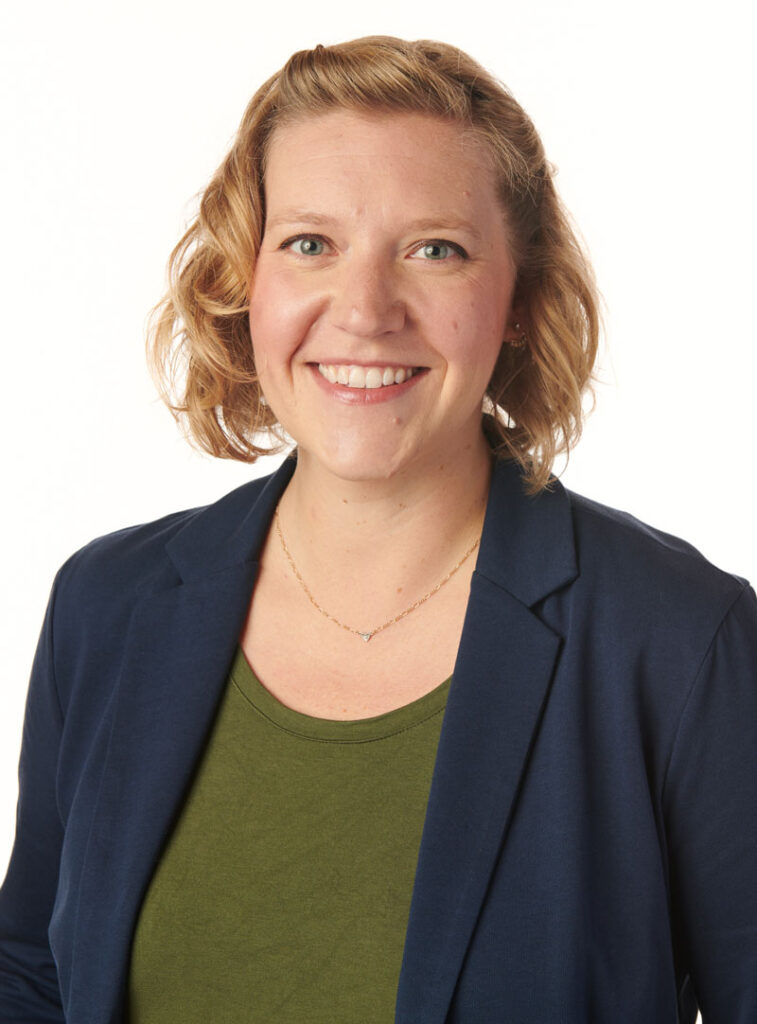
{"x": 179, "y": 649}
{"x": 499, "y": 689}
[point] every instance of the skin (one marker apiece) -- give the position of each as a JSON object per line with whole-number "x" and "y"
{"x": 385, "y": 246}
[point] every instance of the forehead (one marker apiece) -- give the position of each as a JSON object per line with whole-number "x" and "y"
{"x": 413, "y": 158}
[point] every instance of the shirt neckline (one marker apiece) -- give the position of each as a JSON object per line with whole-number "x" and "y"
{"x": 361, "y": 730}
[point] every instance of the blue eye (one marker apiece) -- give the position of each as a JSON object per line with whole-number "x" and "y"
{"x": 438, "y": 250}
{"x": 306, "y": 245}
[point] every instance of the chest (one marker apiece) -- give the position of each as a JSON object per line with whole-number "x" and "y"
{"x": 315, "y": 666}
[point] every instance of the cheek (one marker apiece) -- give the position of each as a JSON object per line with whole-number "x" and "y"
{"x": 283, "y": 312}
{"x": 474, "y": 335}
{"x": 477, "y": 310}
{"x": 276, "y": 320}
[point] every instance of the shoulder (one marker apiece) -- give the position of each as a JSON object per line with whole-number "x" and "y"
{"x": 132, "y": 562}
{"x": 623, "y": 540}
{"x": 652, "y": 579}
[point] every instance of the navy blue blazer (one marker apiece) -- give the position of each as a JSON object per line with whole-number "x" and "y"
{"x": 589, "y": 852}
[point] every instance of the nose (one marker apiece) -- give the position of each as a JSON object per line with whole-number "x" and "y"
{"x": 366, "y": 301}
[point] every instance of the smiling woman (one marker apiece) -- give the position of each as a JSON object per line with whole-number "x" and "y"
{"x": 477, "y": 140}
{"x": 299, "y": 755}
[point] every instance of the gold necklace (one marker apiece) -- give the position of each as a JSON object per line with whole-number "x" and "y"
{"x": 358, "y": 632}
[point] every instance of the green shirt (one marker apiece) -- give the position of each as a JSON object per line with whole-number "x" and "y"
{"x": 284, "y": 891}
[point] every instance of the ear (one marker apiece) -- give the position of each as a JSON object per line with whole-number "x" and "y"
{"x": 515, "y": 331}
{"x": 514, "y": 328}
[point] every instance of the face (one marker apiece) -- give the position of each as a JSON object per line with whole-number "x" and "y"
{"x": 382, "y": 292}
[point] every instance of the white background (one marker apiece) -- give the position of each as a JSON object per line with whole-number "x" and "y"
{"x": 114, "y": 115}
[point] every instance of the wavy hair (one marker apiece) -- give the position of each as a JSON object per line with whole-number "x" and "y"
{"x": 199, "y": 344}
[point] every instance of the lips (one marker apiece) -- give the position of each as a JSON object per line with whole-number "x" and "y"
{"x": 362, "y": 377}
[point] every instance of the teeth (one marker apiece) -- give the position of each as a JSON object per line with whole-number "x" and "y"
{"x": 365, "y": 376}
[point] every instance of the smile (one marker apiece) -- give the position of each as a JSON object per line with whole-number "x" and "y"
{"x": 352, "y": 376}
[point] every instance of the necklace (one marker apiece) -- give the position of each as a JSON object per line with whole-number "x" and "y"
{"x": 366, "y": 636}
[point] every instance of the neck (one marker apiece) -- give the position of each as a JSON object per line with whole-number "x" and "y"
{"x": 389, "y": 537}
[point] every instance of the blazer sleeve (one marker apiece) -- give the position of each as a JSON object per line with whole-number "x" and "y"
{"x": 29, "y": 990}
{"x": 710, "y": 800}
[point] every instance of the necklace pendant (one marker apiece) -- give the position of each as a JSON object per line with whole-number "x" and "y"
{"x": 364, "y": 636}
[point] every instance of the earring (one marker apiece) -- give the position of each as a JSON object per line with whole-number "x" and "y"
{"x": 521, "y": 341}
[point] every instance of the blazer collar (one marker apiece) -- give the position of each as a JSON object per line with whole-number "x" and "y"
{"x": 231, "y": 531}
{"x": 527, "y": 544}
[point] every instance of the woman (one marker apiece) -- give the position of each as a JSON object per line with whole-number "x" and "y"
{"x": 290, "y": 757}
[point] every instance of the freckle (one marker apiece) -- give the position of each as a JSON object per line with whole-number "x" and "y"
{"x": 399, "y": 590}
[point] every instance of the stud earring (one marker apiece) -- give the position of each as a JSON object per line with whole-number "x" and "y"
{"x": 521, "y": 341}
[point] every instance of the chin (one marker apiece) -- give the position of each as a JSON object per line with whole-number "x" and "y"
{"x": 365, "y": 471}
{"x": 359, "y": 463}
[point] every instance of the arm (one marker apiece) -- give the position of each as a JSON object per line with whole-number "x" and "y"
{"x": 28, "y": 978}
{"x": 711, "y": 814}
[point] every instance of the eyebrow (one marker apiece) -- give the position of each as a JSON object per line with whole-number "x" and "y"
{"x": 293, "y": 216}
{"x": 444, "y": 222}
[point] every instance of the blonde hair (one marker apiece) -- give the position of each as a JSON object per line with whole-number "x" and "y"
{"x": 199, "y": 341}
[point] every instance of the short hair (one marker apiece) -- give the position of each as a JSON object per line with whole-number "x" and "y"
{"x": 199, "y": 341}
